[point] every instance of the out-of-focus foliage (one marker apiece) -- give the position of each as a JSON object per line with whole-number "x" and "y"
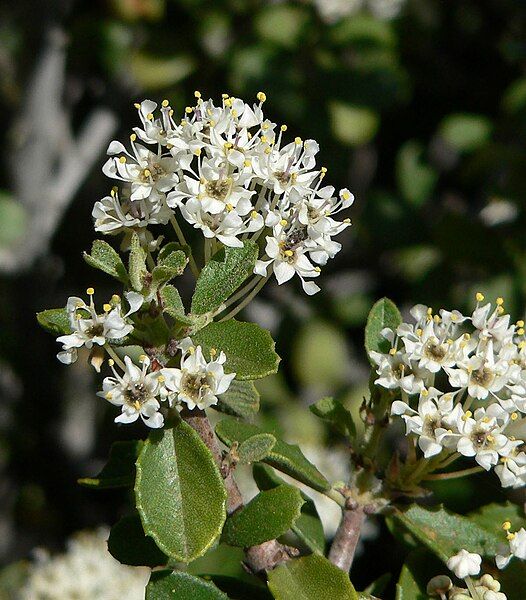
{"x": 422, "y": 114}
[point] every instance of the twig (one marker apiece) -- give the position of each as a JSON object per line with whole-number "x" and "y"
{"x": 347, "y": 536}
{"x": 263, "y": 557}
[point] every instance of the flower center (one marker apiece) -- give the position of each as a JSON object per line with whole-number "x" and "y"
{"x": 194, "y": 384}
{"x": 95, "y": 330}
{"x": 136, "y": 395}
{"x": 434, "y": 350}
{"x": 218, "y": 189}
{"x": 483, "y": 376}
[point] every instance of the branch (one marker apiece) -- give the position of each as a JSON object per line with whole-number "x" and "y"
{"x": 263, "y": 557}
{"x": 347, "y": 536}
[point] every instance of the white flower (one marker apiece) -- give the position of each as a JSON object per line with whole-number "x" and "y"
{"x": 113, "y": 216}
{"x": 517, "y": 547}
{"x": 89, "y": 328}
{"x": 464, "y": 563}
{"x": 197, "y": 382}
{"x": 396, "y": 372}
{"x": 145, "y": 170}
{"x": 136, "y": 391}
{"x": 287, "y": 256}
{"x": 433, "y": 421}
{"x": 492, "y": 324}
{"x": 511, "y": 470}
{"x": 481, "y": 437}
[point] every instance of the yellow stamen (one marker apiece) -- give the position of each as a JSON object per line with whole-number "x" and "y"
{"x": 261, "y": 96}
{"x": 90, "y": 291}
{"x": 479, "y": 297}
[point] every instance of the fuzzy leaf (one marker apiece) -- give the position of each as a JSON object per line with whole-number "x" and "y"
{"x": 256, "y": 448}
{"x": 179, "y": 492}
{"x": 333, "y": 412}
{"x": 285, "y": 457}
{"x": 445, "y": 533}
{"x": 222, "y": 276}
{"x": 240, "y": 400}
{"x": 308, "y": 526}
{"x": 168, "y": 585}
{"x": 137, "y": 263}
{"x": 420, "y": 566}
{"x": 492, "y": 516}
{"x": 105, "y": 258}
{"x": 383, "y": 314}
{"x": 310, "y": 578}
{"x": 173, "y": 305}
{"x": 55, "y": 321}
{"x": 119, "y": 471}
{"x": 130, "y": 546}
{"x": 249, "y": 349}
{"x": 168, "y": 267}
{"x": 269, "y": 515}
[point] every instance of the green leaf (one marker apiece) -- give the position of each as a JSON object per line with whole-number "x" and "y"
{"x": 137, "y": 263}
{"x": 119, "y": 471}
{"x": 170, "y": 266}
{"x": 285, "y": 457}
{"x": 105, "y": 258}
{"x": 310, "y": 578}
{"x": 419, "y": 568}
{"x": 308, "y": 526}
{"x": 249, "y": 349}
{"x": 416, "y": 179}
{"x": 130, "y": 546}
{"x": 445, "y": 533}
{"x": 222, "y": 276}
{"x": 383, "y": 314}
{"x": 512, "y": 580}
{"x": 492, "y": 516}
{"x": 179, "y": 492}
{"x": 173, "y": 305}
{"x": 240, "y": 400}
{"x": 333, "y": 412}
{"x": 13, "y": 220}
{"x": 267, "y": 516}
{"x": 168, "y": 585}
{"x": 255, "y": 448}
{"x": 55, "y": 321}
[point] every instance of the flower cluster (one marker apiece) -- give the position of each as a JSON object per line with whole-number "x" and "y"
{"x": 466, "y": 379}
{"x": 85, "y": 571}
{"x": 229, "y": 173}
{"x": 464, "y": 565}
{"x": 140, "y": 391}
{"x": 516, "y": 546}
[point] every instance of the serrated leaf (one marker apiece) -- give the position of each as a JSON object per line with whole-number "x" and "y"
{"x": 137, "y": 263}
{"x": 179, "y": 492}
{"x": 130, "y": 546}
{"x": 55, "y": 321}
{"x": 105, "y": 258}
{"x": 172, "y": 585}
{"x": 240, "y": 400}
{"x": 172, "y": 247}
{"x": 333, "y": 412}
{"x": 285, "y": 457}
{"x": 119, "y": 471}
{"x": 308, "y": 526}
{"x": 173, "y": 305}
{"x": 445, "y": 533}
{"x": 267, "y": 516}
{"x": 222, "y": 276}
{"x": 255, "y": 448}
{"x": 249, "y": 348}
{"x": 310, "y": 578}
{"x": 383, "y": 314}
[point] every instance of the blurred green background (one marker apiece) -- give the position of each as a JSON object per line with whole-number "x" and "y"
{"x": 420, "y": 109}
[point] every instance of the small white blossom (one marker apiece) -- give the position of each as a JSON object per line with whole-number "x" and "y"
{"x": 136, "y": 391}
{"x": 516, "y": 547}
{"x": 89, "y": 328}
{"x": 197, "y": 383}
{"x": 464, "y": 564}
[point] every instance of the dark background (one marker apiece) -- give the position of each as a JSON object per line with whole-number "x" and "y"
{"x": 422, "y": 116}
